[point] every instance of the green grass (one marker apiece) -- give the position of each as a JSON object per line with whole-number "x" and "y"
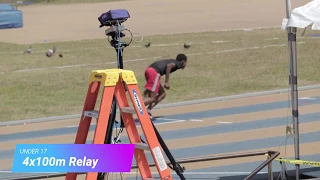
{"x": 51, "y": 91}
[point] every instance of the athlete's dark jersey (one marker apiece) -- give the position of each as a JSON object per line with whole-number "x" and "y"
{"x": 161, "y": 65}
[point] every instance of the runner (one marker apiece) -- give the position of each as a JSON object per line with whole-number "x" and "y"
{"x": 154, "y": 91}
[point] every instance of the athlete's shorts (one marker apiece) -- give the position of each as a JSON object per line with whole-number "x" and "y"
{"x": 153, "y": 80}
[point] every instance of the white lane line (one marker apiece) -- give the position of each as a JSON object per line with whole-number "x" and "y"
{"x": 168, "y": 119}
{"x": 249, "y": 48}
{"x": 27, "y": 70}
{"x": 77, "y": 65}
{"x": 22, "y": 52}
{"x": 166, "y": 122}
{"x": 268, "y": 39}
{"x": 94, "y": 64}
{"x": 140, "y": 59}
{"x": 215, "y": 42}
{"x": 272, "y": 45}
{"x": 72, "y": 126}
{"x": 196, "y": 120}
{"x": 240, "y": 49}
{"x": 223, "y": 122}
{"x": 308, "y": 98}
{"x": 192, "y": 54}
{"x": 228, "y": 50}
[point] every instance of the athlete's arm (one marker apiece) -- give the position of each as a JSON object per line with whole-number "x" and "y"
{"x": 168, "y": 70}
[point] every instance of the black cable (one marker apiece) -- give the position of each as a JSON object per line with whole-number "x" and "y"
{"x": 131, "y": 36}
{"x": 127, "y": 44}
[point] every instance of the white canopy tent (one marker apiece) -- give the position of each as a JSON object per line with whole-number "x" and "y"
{"x": 300, "y": 17}
{"x": 305, "y": 16}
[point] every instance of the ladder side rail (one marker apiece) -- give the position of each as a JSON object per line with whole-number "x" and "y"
{"x": 132, "y": 132}
{"x": 104, "y": 112}
{"x": 148, "y": 131}
{"x": 103, "y": 120}
{"x": 84, "y": 124}
{"x": 85, "y": 121}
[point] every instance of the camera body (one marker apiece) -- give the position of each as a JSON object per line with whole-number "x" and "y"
{"x": 114, "y": 29}
{"x": 111, "y": 17}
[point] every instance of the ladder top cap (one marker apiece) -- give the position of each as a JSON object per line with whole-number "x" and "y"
{"x": 106, "y": 71}
{"x": 110, "y": 77}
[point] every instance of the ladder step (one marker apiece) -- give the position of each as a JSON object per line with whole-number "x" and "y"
{"x": 128, "y": 110}
{"x": 93, "y": 114}
{"x": 142, "y": 146}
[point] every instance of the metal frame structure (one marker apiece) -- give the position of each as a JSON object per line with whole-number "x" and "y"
{"x": 293, "y": 81}
{"x": 271, "y": 156}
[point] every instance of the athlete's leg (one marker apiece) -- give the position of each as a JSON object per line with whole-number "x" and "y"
{"x": 150, "y": 99}
{"x": 152, "y": 86}
{"x": 159, "y": 98}
{"x": 146, "y": 93}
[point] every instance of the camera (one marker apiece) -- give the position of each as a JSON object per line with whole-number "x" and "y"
{"x": 113, "y": 17}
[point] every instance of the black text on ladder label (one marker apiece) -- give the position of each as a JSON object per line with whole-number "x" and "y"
{"x": 137, "y": 101}
{"x": 159, "y": 157}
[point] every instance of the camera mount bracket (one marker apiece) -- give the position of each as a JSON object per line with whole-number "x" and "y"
{"x": 114, "y": 29}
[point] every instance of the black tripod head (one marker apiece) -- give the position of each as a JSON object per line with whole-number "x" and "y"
{"x": 116, "y": 40}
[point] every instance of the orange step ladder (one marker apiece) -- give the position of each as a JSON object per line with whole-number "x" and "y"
{"x": 115, "y": 81}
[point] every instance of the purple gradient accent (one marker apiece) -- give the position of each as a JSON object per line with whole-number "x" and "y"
{"x": 76, "y": 157}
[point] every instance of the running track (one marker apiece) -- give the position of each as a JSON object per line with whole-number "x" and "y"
{"x": 241, "y": 125}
